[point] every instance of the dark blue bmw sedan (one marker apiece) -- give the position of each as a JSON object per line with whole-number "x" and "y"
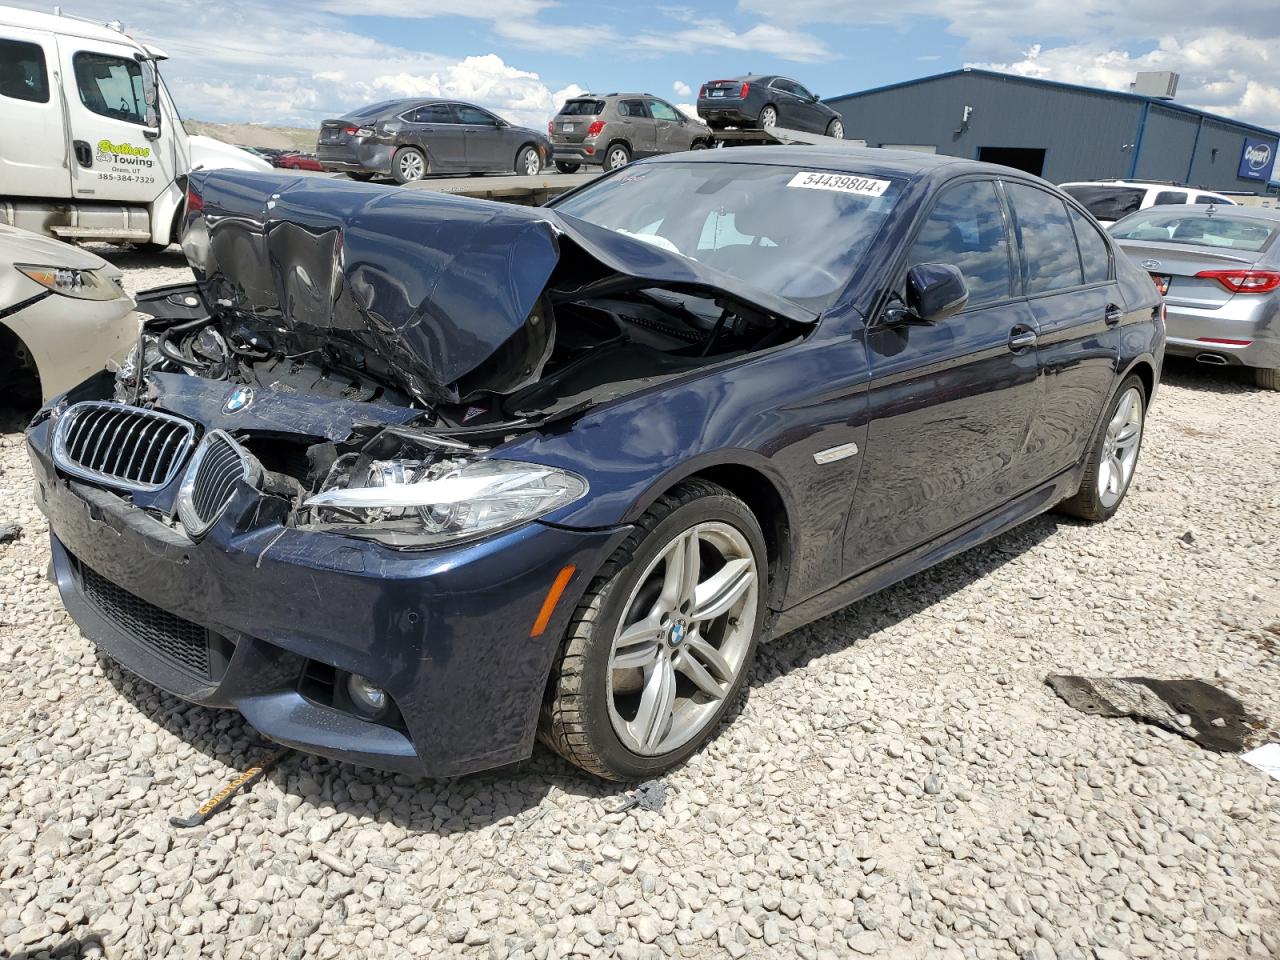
{"x": 409, "y": 479}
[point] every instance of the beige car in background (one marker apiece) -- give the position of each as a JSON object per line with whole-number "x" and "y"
{"x": 63, "y": 316}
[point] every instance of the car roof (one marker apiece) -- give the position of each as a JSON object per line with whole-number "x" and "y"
{"x": 1234, "y": 210}
{"x": 861, "y": 160}
{"x": 1141, "y": 185}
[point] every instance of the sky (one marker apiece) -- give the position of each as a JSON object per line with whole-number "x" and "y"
{"x": 296, "y": 62}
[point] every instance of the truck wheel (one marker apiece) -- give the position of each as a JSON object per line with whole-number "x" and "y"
{"x": 662, "y": 641}
{"x": 408, "y": 165}
{"x": 567, "y": 167}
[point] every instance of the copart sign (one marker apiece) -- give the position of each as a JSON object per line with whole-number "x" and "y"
{"x": 1257, "y": 159}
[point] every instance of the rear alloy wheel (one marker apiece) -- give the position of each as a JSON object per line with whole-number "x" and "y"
{"x": 408, "y": 165}
{"x": 1111, "y": 464}
{"x": 769, "y": 117}
{"x": 567, "y": 167}
{"x": 835, "y": 130}
{"x": 528, "y": 162}
{"x": 1268, "y": 378}
{"x": 618, "y": 156}
{"x": 662, "y": 641}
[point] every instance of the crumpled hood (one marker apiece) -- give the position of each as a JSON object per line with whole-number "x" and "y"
{"x": 432, "y": 284}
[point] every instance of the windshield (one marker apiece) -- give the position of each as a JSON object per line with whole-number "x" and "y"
{"x": 1107, "y": 202}
{"x": 582, "y": 108}
{"x": 1199, "y": 229}
{"x": 797, "y": 233}
{"x": 371, "y": 110}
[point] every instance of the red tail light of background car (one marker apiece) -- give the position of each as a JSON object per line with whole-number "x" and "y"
{"x": 1244, "y": 281}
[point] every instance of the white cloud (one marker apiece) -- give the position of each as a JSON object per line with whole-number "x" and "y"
{"x": 1228, "y": 69}
{"x": 681, "y": 88}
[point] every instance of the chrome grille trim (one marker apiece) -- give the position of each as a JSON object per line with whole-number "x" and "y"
{"x": 121, "y": 446}
{"x": 218, "y": 465}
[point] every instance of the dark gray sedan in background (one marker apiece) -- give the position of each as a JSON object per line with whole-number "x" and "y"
{"x": 1219, "y": 271}
{"x": 411, "y": 139}
{"x": 765, "y": 101}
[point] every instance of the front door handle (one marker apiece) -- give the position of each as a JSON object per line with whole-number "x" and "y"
{"x": 84, "y": 153}
{"x": 1113, "y": 315}
{"x": 1021, "y": 338}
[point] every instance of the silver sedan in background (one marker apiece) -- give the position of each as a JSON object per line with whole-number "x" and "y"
{"x": 1218, "y": 268}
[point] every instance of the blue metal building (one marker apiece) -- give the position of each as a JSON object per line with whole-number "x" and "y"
{"x": 1062, "y": 131}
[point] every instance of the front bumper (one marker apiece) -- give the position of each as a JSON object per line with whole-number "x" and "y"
{"x": 1196, "y": 332}
{"x": 445, "y": 632}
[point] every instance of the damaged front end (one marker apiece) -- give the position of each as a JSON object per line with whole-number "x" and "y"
{"x": 296, "y": 488}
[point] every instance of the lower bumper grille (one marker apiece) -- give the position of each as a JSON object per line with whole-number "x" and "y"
{"x": 180, "y": 641}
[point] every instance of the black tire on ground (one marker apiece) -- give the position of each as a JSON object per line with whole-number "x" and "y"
{"x": 404, "y": 157}
{"x": 1268, "y": 378}
{"x": 618, "y": 155}
{"x": 528, "y": 159}
{"x": 698, "y": 145}
{"x": 363, "y": 175}
{"x": 567, "y": 167}
{"x": 574, "y": 721}
{"x": 831, "y": 129}
{"x": 1087, "y": 503}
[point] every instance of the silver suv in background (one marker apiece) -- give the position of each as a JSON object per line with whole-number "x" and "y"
{"x": 613, "y": 130}
{"x": 409, "y": 139}
{"x": 1111, "y": 200}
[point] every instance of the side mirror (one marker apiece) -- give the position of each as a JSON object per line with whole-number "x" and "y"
{"x": 935, "y": 291}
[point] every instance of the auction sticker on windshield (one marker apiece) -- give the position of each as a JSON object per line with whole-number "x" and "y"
{"x": 840, "y": 182}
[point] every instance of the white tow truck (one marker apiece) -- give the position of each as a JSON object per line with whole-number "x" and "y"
{"x": 93, "y": 148}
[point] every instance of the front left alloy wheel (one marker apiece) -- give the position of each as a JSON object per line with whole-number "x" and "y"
{"x": 661, "y": 643}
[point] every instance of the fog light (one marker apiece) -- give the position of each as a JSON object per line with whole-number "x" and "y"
{"x": 368, "y": 699}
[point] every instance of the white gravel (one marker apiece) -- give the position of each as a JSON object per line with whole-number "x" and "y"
{"x": 899, "y": 783}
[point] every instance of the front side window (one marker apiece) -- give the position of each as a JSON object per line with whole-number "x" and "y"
{"x": 1169, "y": 198}
{"x": 662, "y": 111}
{"x": 966, "y": 229}
{"x": 1048, "y": 242}
{"x": 800, "y": 91}
{"x": 111, "y": 86}
{"x": 758, "y": 223}
{"x": 1095, "y": 255}
{"x": 23, "y": 74}
{"x": 1210, "y": 198}
{"x": 469, "y": 114}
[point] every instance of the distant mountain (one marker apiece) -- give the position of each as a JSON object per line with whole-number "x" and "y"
{"x": 255, "y": 135}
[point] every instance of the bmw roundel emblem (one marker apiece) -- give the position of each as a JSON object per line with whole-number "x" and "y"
{"x": 677, "y": 633}
{"x": 237, "y": 400}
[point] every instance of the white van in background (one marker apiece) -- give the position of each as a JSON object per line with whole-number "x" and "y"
{"x": 93, "y": 147}
{"x": 1112, "y": 200}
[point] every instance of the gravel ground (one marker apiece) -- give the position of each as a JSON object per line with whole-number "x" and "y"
{"x": 899, "y": 782}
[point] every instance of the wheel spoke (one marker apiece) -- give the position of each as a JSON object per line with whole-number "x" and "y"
{"x": 1117, "y": 474}
{"x": 721, "y": 591}
{"x": 688, "y": 664}
{"x": 698, "y": 648}
{"x": 653, "y": 716}
{"x": 637, "y": 646}
{"x": 1127, "y": 434}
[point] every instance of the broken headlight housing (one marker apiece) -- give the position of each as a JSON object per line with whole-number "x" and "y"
{"x": 432, "y": 501}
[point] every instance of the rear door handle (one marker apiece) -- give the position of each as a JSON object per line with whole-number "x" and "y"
{"x": 1113, "y": 314}
{"x": 1021, "y": 338}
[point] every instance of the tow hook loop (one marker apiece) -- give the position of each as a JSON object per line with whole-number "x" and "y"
{"x": 223, "y": 797}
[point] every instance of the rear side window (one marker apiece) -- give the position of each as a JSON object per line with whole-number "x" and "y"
{"x": 1047, "y": 240}
{"x": 966, "y": 229}
{"x": 1095, "y": 256}
{"x": 23, "y": 75}
{"x": 631, "y": 108}
{"x": 1210, "y": 198}
{"x": 111, "y": 86}
{"x": 1169, "y": 198}
{"x": 1106, "y": 202}
{"x": 582, "y": 108}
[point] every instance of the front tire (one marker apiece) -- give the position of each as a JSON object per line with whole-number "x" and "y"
{"x": 528, "y": 163}
{"x": 663, "y": 639}
{"x": 835, "y": 130}
{"x": 361, "y": 176}
{"x": 409, "y": 164}
{"x": 1268, "y": 378}
{"x": 567, "y": 167}
{"x": 1114, "y": 457}
{"x": 618, "y": 155}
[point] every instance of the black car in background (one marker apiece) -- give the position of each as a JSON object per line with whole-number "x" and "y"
{"x": 766, "y": 101}
{"x": 410, "y": 139}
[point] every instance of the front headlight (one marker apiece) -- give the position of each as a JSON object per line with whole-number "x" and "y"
{"x": 73, "y": 281}
{"x": 443, "y": 501}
